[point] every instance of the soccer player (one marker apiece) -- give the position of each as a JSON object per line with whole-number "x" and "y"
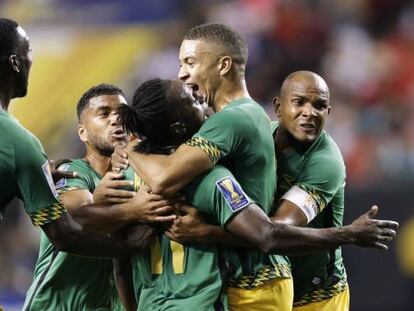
{"x": 24, "y": 169}
{"x": 311, "y": 182}
{"x": 165, "y": 113}
{"x": 69, "y": 282}
{"x": 311, "y": 176}
{"x": 213, "y": 59}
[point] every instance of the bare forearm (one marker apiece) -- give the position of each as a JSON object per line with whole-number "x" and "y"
{"x": 66, "y": 235}
{"x": 285, "y": 239}
{"x": 278, "y": 238}
{"x": 168, "y": 174}
{"x": 102, "y": 218}
{"x": 153, "y": 169}
{"x": 217, "y": 235}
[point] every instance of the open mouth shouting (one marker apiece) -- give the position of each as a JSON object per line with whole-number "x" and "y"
{"x": 118, "y": 134}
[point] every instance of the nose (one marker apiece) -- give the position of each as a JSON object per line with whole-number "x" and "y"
{"x": 115, "y": 119}
{"x": 183, "y": 74}
{"x": 309, "y": 110}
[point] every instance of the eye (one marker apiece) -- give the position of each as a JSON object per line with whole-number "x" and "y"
{"x": 321, "y": 105}
{"x": 103, "y": 113}
{"x": 297, "y": 101}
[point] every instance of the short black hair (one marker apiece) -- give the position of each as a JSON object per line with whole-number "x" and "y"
{"x": 232, "y": 41}
{"x": 97, "y": 90}
{"x": 8, "y": 37}
{"x": 147, "y": 115}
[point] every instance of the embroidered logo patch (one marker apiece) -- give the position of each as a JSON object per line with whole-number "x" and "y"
{"x": 232, "y": 193}
{"x": 48, "y": 176}
{"x": 63, "y": 181}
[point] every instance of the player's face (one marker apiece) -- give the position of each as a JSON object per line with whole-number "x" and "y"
{"x": 24, "y": 55}
{"x": 200, "y": 68}
{"x": 103, "y": 131}
{"x": 303, "y": 109}
{"x": 191, "y": 109}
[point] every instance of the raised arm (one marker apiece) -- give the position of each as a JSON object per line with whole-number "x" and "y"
{"x": 167, "y": 174}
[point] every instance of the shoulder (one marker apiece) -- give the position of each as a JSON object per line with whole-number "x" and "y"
{"x": 327, "y": 149}
{"x": 81, "y": 181}
{"x": 274, "y": 125}
{"x": 325, "y": 156}
{"x": 16, "y": 134}
{"x": 210, "y": 178}
{"x": 241, "y": 115}
{"x": 75, "y": 164}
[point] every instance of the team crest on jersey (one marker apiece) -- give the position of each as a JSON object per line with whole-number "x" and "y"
{"x": 48, "y": 176}
{"x": 232, "y": 193}
{"x": 63, "y": 181}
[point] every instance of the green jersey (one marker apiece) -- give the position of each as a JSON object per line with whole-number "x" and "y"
{"x": 63, "y": 281}
{"x": 240, "y": 137}
{"x": 315, "y": 181}
{"x": 178, "y": 277}
{"x": 25, "y": 173}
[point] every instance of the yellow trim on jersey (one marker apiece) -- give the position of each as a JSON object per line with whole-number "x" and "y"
{"x": 339, "y": 302}
{"x": 207, "y": 146}
{"x": 322, "y": 293}
{"x": 276, "y": 295}
{"x": 62, "y": 190}
{"x": 261, "y": 277}
{"x": 47, "y": 214}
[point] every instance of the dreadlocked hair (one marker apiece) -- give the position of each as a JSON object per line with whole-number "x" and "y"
{"x": 146, "y": 117}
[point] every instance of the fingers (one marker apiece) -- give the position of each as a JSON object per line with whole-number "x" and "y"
{"x": 171, "y": 235}
{"x": 59, "y": 162}
{"x": 388, "y": 232}
{"x": 163, "y": 210}
{"x": 64, "y": 174}
{"x": 115, "y": 193}
{"x": 372, "y": 211}
{"x": 156, "y": 197}
{"x": 167, "y": 218}
{"x": 119, "y": 150}
{"x": 114, "y": 175}
{"x": 115, "y": 200}
{"x": 380, "y": 245}
{"x": 162, "y": 203}
{"x": 386, "y": 224}
{"x": 116, "y": 184}
{"x": 119, "y": 159}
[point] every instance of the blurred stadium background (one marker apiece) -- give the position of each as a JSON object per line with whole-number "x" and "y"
{"x": 363, "y": 48}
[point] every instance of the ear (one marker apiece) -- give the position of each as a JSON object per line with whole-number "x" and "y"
{"x": 14, "y": 62}
{"x": 276, "y": 104}
{"x": 178, "y": 128}
{"x": 83, "y": 133}
{"x": 225, "y": 65}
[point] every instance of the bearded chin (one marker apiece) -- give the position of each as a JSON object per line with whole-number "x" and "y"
{"x": 105, "y": 150}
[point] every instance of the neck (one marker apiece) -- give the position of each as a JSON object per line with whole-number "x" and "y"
{"x": 101, "y": 164}
{"x": 5, "y": 98}
{"x": 230, "y": 90}
{"x": 284, "y": 140}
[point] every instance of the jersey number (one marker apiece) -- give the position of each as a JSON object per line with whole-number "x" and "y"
{"x": 177, "y": 251}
